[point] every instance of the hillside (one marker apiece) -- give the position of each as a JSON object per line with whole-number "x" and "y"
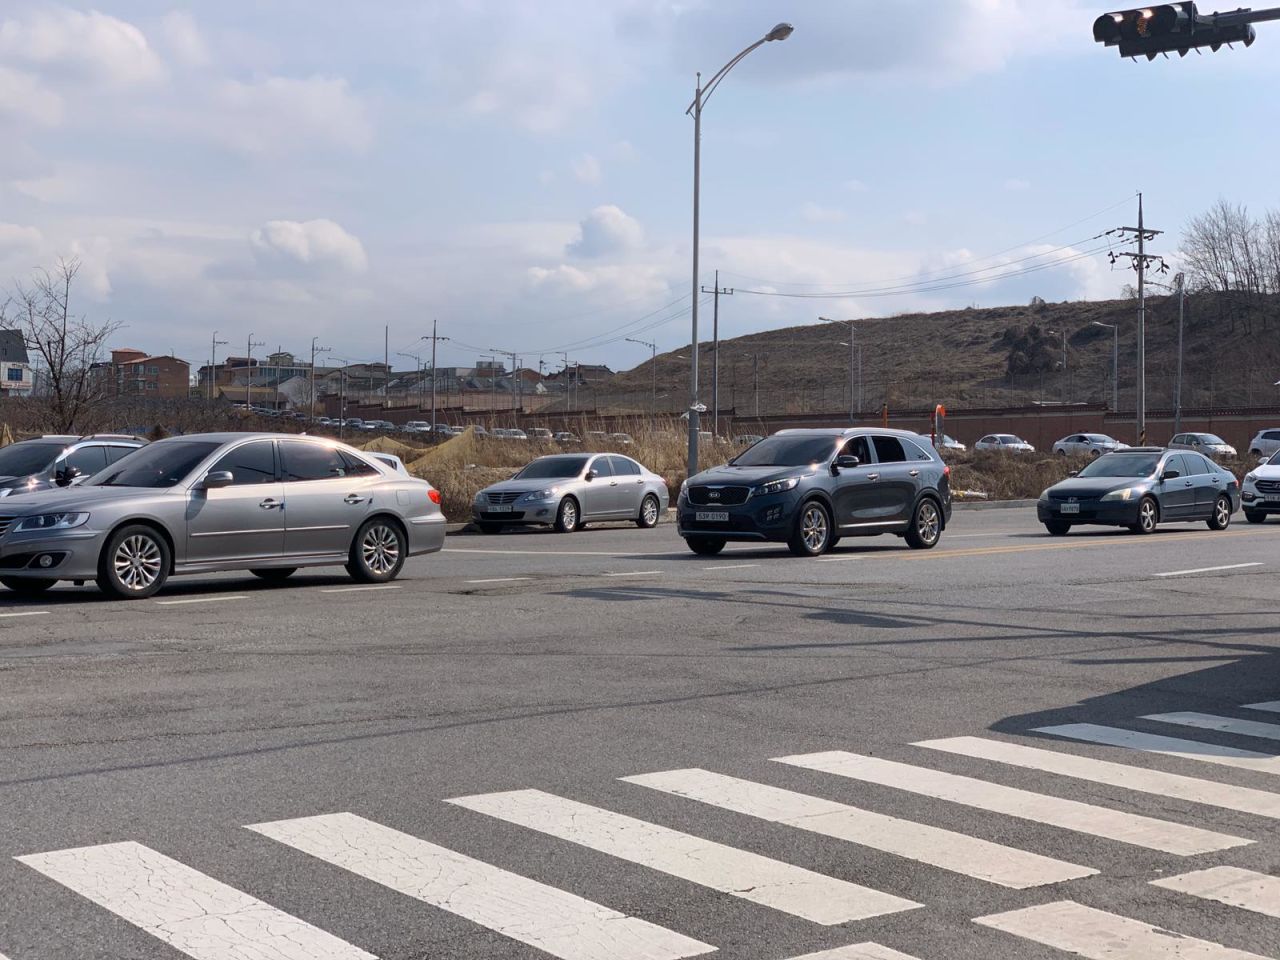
{"x": 983, "y": 358}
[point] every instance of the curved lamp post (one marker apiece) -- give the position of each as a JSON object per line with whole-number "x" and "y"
{"x": 700, "y": 97}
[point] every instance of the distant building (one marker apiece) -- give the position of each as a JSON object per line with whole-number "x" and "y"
{"x": 135, "y": 373}
{"x": 15, "y": 368}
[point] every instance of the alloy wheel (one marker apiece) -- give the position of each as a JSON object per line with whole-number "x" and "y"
{"x": 813, "y": 528}
{"x": 380, "y": 549}
{"x": 1222, "y": 512}
{"x": 1147, "y": 515}
{"x": 928, "y": 523}
{"x": 138, "y": 562}
{"x": 649, "y": 512}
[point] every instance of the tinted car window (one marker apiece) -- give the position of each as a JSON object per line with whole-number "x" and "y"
{"x": 1272, "y": 435}
{"x": 163, "y": 464}
{"x": 88, "y": 460}
{"x": 889, "y": 450}
{"x": 252, "y": 463}
{"x": 1179, "y": 463}
{"x": 357, "y": 467}
{"x": 1123, "y": 465}
{"x": 622, "y": 467}
{"x": 23, "y": 459}
{"x": 779, "y": 451}
{"x": 118, "y": 453}
{"x": 601, "y": 467}
{"x": 553, "y": 468}
{"x": 915, "y": 451}
{"x": 857, "y": 447}
{"x": 1195, "y": 464}
{"x": 310, "y": 461}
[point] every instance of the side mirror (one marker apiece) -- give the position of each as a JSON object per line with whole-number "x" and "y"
{"x": 1170, "y": 475}
{"x": 66, "y": 476}
{"x": 844, "y": 462}
{"x": 216, "y": 479}
{"x": 1074, "y": 473}
{"x": 591, "y": 475}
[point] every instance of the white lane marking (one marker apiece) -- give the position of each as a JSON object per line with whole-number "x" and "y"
{"x": 376, "y": 586}
{"x": 217, "y": 599}
{"x": 857, "y": 951}
{"x": 1140, "y": 780}
{"x": 1098, "y": 935}
{"x": 191, "y": 912}
{"x": 634, "y": 573}
{"x": 1187, "y": 573}
{"x": 752, "y": 877}
{"x": 957, "y": 852}
{"x": 1271, "y": 707}
{"x": 1205, "y": 721}
{"x": 1258, "y": 892}
{"x": 552, "y": 920}
{"x": 619, "y": 554}
{"x": 1167, "y": 746}
{"x": 1149, "y": 832}
{"x": 501, "y": 580}
{"x": 734, "y": 566}
{"x": 25, "y": 613}
{"x": 842, "y": 559}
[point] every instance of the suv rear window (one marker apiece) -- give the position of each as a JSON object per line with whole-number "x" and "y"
{"x": 889, "y": 450}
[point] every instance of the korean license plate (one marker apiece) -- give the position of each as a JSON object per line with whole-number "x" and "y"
{"x": 1070, "y": 508}
{"x": 498, "y": 508}
{"x": 713, "y": 516}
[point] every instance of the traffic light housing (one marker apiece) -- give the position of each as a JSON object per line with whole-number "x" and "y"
{"x": 1166, "y": 27}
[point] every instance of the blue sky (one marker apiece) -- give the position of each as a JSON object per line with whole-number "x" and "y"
{"x": 521, "y": 171}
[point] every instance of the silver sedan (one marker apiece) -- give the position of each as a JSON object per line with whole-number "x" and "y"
{"x": 265, "y": 503}
{"x": 568, "y": 490}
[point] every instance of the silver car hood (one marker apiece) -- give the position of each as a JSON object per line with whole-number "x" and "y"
{"x": 1259, "y": 473}
{"x": 519, "y": 486}
{"x": 75, "y": 498}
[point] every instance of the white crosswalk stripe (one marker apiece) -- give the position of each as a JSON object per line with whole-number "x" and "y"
{"x": 957, "y": 852}
{"x": 1272, "y": 706}
{"x": 858, "y": 951}
{"x": 1098, "y": 935}
{"x": 1258, "y": 892}
{"x": 555, "y": 921}
{"x": 782, "y": 886}
{"x": 1207, "y": 721}
{"x": 1087, "y": 818}
{"x": 1169, "y": 746}
{"x": 1207, "y": 792}
{"x": 191, "y": 912}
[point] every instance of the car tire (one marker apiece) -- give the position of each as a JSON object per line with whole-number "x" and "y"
{"x": 134, "y": 564}
{"x": 274, "y": 574}
{"x": 650, "y": 513}
{"x": 1220, "y": 519}
{"x": 926, "y": 525}
{"x": 812, "y": 534}
{"x": 1253, "y": 516}
{"x": 28, "y": 586}
{"x": 378, "y": 551}
{"x": 489, "y": 528}
{"x": 705, "y": 546}
{"x": 1057, "y": 528}
{"x": 1062, "y": 453}
{"x": 1095, "y": 454}
{"x": 1148, "y": 517}
{"x": 1255, "y": 453}
{"x": 567, "y": 516}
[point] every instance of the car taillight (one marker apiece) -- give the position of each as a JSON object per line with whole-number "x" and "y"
{"x": 434, "y": 495}
{"x": 946, "y": 470}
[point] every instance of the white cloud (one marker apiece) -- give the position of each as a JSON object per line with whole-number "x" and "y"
{"x": 281, "y": 114}
{"x": 16, "y": 239}
{"x": 89, "y": 47}
{"x": 607, "y": 231}
{"x": 816, "y": 213}
{"x": 312, "y": 243}
{"x": 855, "y": 186}
{"x": 586, "y": 169}
{"x": 22, "y": 96}
{"x": 183, "y": 40}
{"x": 1015, "y": 185}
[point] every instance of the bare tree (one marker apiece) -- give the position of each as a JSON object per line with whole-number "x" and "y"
{"x": 67, "y": 345}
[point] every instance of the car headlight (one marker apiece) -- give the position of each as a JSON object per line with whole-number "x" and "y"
{"x": 5, "y": 491}
{"x": 546, "y": 494}
{"x": 1116, "y": 495}
{"x": 51, "y": 521}
{"x": 776, "y": 486}
{"x": 1250, "y": 477}
{"x": 1044, "y": 494}
{"x": 684, "y": 488}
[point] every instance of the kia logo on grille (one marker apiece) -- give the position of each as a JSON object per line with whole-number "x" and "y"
{"x": 713, "y": 495}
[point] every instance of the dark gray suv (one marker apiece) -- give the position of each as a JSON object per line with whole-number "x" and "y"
{"x": 809, "y": 488}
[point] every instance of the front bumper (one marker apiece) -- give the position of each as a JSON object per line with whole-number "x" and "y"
{"x": 75, "y": 554}
{"x": 1254, "y": 501}
{"x": 1118, "y": 513}
{"x": 768, "y": 518}
{"x": 531, "y": 512}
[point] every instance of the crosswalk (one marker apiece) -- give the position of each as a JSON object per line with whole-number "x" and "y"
{"x": 1186, "y": 868}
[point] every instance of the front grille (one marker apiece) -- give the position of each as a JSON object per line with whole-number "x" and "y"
{"x": 718, "y": 496}
{"x": 1072, "y": 497}
{"x": 1268, "y": 486}
{"x": 505, "y": 496}
{"x": 5, "y": 524}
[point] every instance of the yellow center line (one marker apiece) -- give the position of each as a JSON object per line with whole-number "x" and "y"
{"x": 1027, "y": 548}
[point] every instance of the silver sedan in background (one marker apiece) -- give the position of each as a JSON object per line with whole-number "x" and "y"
{"x": 566, "y": 491}
{"x": 265, "y": 503}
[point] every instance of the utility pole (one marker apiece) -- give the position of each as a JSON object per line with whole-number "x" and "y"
{"x": 755, "y": 381}
{"x": 1181, "y": 282}
{"x": 653, "y": 403}
{"x": 855, "y": 349}
{"x": 435, "y": 338}
{"x": 1141, "y": 261}
{"x": 248, "y": 380}
{"x": 417, "y": 370}
{"x": 315, "y": 350}
{"x": 715, "y": 350}
{"x": 519, "y": 387}
{"x": 213, "y": 362}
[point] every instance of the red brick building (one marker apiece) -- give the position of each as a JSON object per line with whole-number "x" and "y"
{"x": 135, "y": 373}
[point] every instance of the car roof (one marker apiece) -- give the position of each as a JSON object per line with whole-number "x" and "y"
{"x": 838, "y": 432}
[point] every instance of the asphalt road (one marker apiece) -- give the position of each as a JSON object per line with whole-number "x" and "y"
{"x": 524, "y": 675}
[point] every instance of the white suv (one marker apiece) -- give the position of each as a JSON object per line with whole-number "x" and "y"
{"x": 1265, "y": 444}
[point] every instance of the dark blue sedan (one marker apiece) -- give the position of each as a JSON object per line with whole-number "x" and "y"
{"x": 1140, "y": 488}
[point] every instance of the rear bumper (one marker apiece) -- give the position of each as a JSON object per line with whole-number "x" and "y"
{"x": 426, "y": 534}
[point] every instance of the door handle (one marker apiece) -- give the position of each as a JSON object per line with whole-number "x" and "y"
{"x": 270, "y": 504}
{"x": 914, "y": 473}
{"x": 353, "y": 498}
{"x": 613, "y": 483}
{"x": 1191, "y": 483}
{"x": 873, "y": 476}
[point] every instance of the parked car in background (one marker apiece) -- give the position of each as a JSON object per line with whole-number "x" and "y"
{"x": 352, "y": 423}
{"x": 564, "y": 436}
{"x": 541, "y": 434}
{"x": 950, "y": 443}
{"x": 1089, "y": 444}
{"x": 210, "y": 502}
{"x": 417, "y": 426}
{"x": 1265, "y": 444}
{"x": 515, "y": 433}
{"x": 567, "y": 490}
{"x": 1140, "y": 488}
{"x": 479, "y": 430}
{"x": 1004, "y": 443}
{"x": 1260, "y": 493}
{"x": 810, "y": 488}
{"x": 596, "y": 436}
{"x": 47, "y": 463}
{"x": 623, "y": 439}
{"x": 1209, "y": 444}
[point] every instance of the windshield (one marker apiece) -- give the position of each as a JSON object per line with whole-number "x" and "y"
{"x": 1209, "y": 438}
{"x": 1008, "y": 438}
{"x": 1123, "y": 465}
{"x": 159, "y": 465}
{"x": 552, "y": 468}
{"x": 24, "y": 459}
{"x": 1275, "y": 460}
{"x": 1099, "y": 438}
{"x": 788, "y": 452}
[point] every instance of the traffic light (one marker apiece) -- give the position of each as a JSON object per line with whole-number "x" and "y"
{"x": 1165, "y": 27}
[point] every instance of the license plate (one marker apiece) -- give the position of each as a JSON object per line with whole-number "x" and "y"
{"x": 713, "y": 516}
{"x": 1070, "y": 508}
{"x": 499, "y": 508}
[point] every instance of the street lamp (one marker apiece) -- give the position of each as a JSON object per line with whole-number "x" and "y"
{"x": 852, "y": 347}
{"x": 1115, "y": 363}
{"x": 653, "y": 348}
{"x": 1180, "y": 288}
{"x": 1053, "y": 333}
{"x": 701, "y": 95}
